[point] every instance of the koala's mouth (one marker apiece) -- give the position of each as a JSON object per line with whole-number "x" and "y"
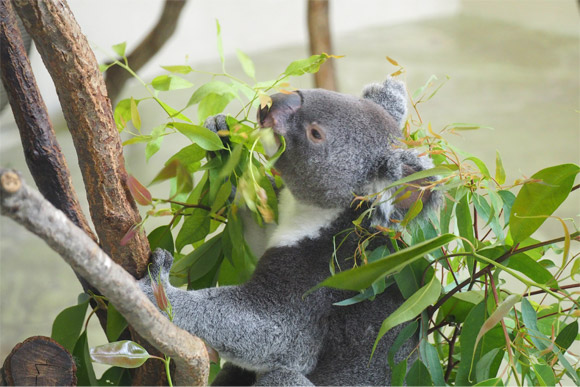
{"x": 276, "y": 115}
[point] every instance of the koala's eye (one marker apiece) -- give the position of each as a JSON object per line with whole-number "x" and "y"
{"x": 315, "y": 133}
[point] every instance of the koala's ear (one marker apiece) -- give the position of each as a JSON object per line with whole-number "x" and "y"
{"x": 391, "y": 95}
{"x": 397, "y": 165}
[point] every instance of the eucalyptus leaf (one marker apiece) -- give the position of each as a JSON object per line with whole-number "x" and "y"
{"x": 364, "y": 276}
{"x": 539, "y": 198}
{"x": 125, "y": 354}
{"x": 411, "y": 308}
{"x": 68, "y": 324}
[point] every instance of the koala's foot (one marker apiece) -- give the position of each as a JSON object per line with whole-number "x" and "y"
{"x": 217, "y": 123}
{"x": 161, "y": 261}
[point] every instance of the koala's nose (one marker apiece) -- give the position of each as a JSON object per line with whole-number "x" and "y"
{"x": 275, "y": 117}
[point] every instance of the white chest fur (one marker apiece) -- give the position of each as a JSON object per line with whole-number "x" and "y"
{"x": 297, "y": 220}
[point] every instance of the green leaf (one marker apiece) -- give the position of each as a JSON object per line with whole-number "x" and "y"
{"x": 499, "y": 170}
{"x": 189, "y": 156}
{"x": 364, "y": 276}
{"x": 501, "y": 311}
{"x": 437, "y": 171}
{"x": 161, "y": 237}
{"x": 125, "y": 354}
{"x": 412, "y": 307}
{"x": 434, "y": 365}
{"x": 481, "y": 165}
{"x": 567, "y": 336}
{"x": 171, "y": 111}
{"x": 170, "y": 82}
{"x": 308, "y": 65}
{"x": 116, "y": 323}
{"x": 491, "y": 382}
{"x": 85, "y": 372}
{"x": 469, "y": 332}
{"x": 575, "y": 268}
{"x": 465, "y": 223}
{"x": 67, "y": 326}
{"x": 181, "y": 69}
{"x": 213, "y": 104}
{"x": 232, "y": 161}
{"x": 544, "y": 374}
{"x": 194, "y": 229}
{"x": 135, "y": 117}
{"x": 247, "y": 64}
{"x": 154, "y": 144}
{"x": 212, "y": 87}
{"x": 120, "y": 48}
{"x": 398, "y": 373}
{"x": 418, "y": 375}
{"x": 122, "y": 113}
{"x": 483, "y": 367}
{"x": 508, "y": 199}
{"x": 538, "y": 200}
{"x": 532, "y": 269}
{"x": 459, "y": 305}
{"x": 405, "y": 334}
{"x": 203, "y": 137}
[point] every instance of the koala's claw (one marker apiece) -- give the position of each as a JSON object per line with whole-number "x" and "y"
{"x": 216, "y": 123}
{"x": 161, "y": 261}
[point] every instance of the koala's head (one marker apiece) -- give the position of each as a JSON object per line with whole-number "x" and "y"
{"x": 339, "y": 145}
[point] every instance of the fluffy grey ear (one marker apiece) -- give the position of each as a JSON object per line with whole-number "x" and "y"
{"x": 391, "y": 95}
{"x": 396, "y": 165}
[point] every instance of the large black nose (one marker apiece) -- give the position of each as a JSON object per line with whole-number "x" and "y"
{"x": 275, "y": 116}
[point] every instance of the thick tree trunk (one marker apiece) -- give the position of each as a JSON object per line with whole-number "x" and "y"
{"x": 42, "y": 152}
{"x": 87, "y": 110}
{"x": 153, "y": 42}
{"x": 320, "y": 41}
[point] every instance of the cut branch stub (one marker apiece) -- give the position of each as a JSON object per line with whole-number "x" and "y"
{"x": 88, "y": 112}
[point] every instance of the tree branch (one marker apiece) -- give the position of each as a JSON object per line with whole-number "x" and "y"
{"x": 29, "y": 208}
{"x": 320, "y": 41}
{"x": 42, "y": 152}
{"x": 87, "y": 110}
{"x": 153, "y": 42}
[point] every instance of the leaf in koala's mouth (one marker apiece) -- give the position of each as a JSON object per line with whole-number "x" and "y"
{"x": 271, "y": 141}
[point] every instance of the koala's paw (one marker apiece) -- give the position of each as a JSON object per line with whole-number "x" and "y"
{"x": 161, "y": 261}
{"x": 217, "y": 123}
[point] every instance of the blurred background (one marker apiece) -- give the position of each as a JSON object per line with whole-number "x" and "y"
{"x": 512, "y": 65}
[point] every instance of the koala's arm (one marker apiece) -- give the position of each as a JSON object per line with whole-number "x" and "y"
{"x": 245, "y": 324}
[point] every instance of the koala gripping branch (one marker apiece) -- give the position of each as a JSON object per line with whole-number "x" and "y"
{"x": 29, "y": 208}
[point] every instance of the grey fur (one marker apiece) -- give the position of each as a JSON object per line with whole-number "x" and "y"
{"x": 266, "y": 325}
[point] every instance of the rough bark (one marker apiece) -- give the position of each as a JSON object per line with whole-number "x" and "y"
{"x": 29, "y": 208}
{"x": 42, "y": 152}
{"x": 320, "y": 41}
{"x": 39, "y": 361}
{"x": 153, "y": 42}
{"x": 87, "y": 110}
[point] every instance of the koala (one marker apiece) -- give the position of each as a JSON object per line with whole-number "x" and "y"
{"x": 337, "y": 147}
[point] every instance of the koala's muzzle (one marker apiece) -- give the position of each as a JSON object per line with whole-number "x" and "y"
{"x": 283, "y": 105}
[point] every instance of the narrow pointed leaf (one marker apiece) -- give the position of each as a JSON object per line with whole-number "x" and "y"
{"x": 499, "y": 170}
{"x": 364, "y": 276}
{"x": 412, "y": 307}
{"x": 501, "y": 311}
